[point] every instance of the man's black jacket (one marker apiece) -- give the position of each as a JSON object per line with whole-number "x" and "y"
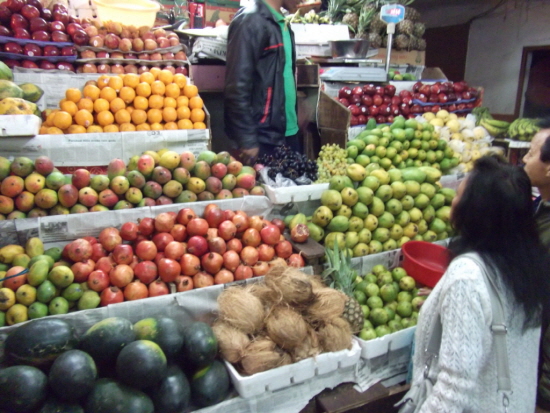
{"x": 254, "y": 84}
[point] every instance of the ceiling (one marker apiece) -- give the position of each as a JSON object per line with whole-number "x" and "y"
{"x": 448, "y": 12}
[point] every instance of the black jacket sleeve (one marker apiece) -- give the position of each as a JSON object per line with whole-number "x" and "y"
{"x": 244, "y": 48}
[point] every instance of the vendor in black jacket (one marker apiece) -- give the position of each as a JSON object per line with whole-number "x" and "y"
{"x": 260, "y": 88}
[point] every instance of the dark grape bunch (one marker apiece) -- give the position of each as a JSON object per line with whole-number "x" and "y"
{"x": 288, "y": 163}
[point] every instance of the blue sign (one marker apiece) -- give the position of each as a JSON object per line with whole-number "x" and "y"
{"x": 392, "y": 13}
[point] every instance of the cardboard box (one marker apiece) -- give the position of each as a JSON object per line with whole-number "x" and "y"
{"x": 220, "y": 9}
{"x": 333, "y": 120}
{"x": 300, "y": 193}
{"x": 414, "y": 57}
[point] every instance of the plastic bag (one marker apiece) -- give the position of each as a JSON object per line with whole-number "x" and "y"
{"x": 280, "y": 181}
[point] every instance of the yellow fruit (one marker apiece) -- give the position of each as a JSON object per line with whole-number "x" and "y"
{"x": 62, "y": 120}
{"x": 83, "y": 118}
{"x": 169, "y": 115}
{"x": 170, "y": 103}
{"x": 165, "y": 76}
{"x": 158, "y": 88}
{"x": 43, "y": 130}
{"x": 172, "y": 90}
{"x": 196, "y": 103}
{"x": 127, "y": 127}
{"x": 428, "y": 116}
{"x": 143, "y": 89}
{"x": 131, "y": 80}
{"x": 111, "y": 129}
{"x": 182, "y": 101}
{"x": 105, "y": 118}
{"x": 190, "y": 91}
{"x": 91, "y": 92}
{"x": 141, "y": 103}
{"x": 143, "y": 126}
{"x": 197, "y": 115}
{"x": 138, "y": 117}
{"x": 18, "y": 313}
{"x": 171, "y": 126}
{"x": 117, "y": 104}
{"x": 7, "y": 298}
{"x": 69, "y": 107}
{"x": 154, "y": 116}
{"x": 169, "y": 159}
{"x": 86, "y": 104}
{"x": 180, "y": 80}
{"x": 73, "y": 95}
{"x": 199, "y": 125}
{"x": 94, "y": 129}
{"x": 52, "y": 130}
{"x": 185, "y": 124}
{"x": 147, "y": 77}
{"x": 183, "y": 112}
{"x": 155, "y": 71}
{"x": 103, "y": 81}
{"x": 156, "y": 126}
{"x": 76, "y": 129}
{"x": 108, "y": 93}
{"x": 49, "y": 118}
{"x": 26, "y": 294}
{"x": 101, "y": 105}
{"x": 127, "y": 94}
{"x": 156, "y": 102}
{"x": 116, "y": 83}
{"x": 122, "y": 116}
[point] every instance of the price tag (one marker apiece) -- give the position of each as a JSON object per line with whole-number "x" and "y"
{"x": 392, "y": 13}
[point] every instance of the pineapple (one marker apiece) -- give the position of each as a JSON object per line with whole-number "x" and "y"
{"x": 413, "y": 43}
{"x": 377, "y": 25}
{"x": 405, "y": 27}
{"x": 340, "y": 276}
{"x": 334, "y": 9}
{"x": 351, "y": 19}
{"x": 365, "y": 18}
{"x": 412, "y": 14}
{"x": 419, "y": 29}
{"x": 402, "y": 42}
{"x": 421, "y": 45}
{"x": 375, "y": 40}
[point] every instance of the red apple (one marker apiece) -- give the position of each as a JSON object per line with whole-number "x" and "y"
{"x": 68, "y": 51}
{"x": 80, "y": 37}
{"x": 35, "y": 3}
{"x": 404, "y": 108}
{"x": 390, "y": 119}
{"x": 38, "y": 23}
{"x": 357, "y": 90}
{"x": 41, "y": 36}
{"x": 443, "y": 98}
{"x": 381, "y": 119}
{"x": 435, "y": 89}
{"x": 436, "y": 108}
{"x": 12, "y": 47}
{"x": 379, "y": 90}
{"x": 385, "y": 110}
{"x": 15, "y": 5}
{"x": 369, "y": 89}
{"x": 425, "y": 89}
{"x": 451, "y": 107}
{"x": 46, "y": 14}
{"x": 374, "y": 110}
{"x": 386, "y": 99}
{"x": 355, "y": 99}
{"x": 395, "y": 100}
{"x": 416, "y": 87}
{"x": 51, "y": 51}
{"x": 31, "y": 49}
{"x": 4, "y": 31}
{"x": 354, "y": 109}
{"x": 344, "y": 92}
{"x": 353, "y": 121}
{"x": 65, "y": 66}
{"x": 362, "y": 120}
{"x": 18, "y": 22}
{"x": 364, "y": 110}
{"x": 452, "y": 96}
{"x": 59, "y": 37}
{"x": 366, "y": 100}
{"x": 458, "y": 87}
{"x": 461, "y": 106}
{"x": 30, "y": 12}
{"x": 407, "y": 100}
{"x": 46, "y": 65}
{"x": 421, "y": 97}
{"x": 61, "y": 16}
{"x": 344, "y": 102}
{"x": 416, "y": 108}
{"x": 73, "y": 27}
{"x": 394, "y": 110}
{"x": 405, "y": 93}
{"x": 377, "y": 100}
{"x": 473, "y": 91}
{"x": 445, "y": 87}
{"x": 466, "y": 95}
{"x": 433, "y": 98}
{"x": 103, "y": 55}
{"x": 20, "y": 33}
{"x": 29, "y": 64}
{"x": 57, "y": 26}
{"x": 11, "y": 63}
{"x": 5, "y": 14}
{"x": 426, "y": 109}
{"x": 389, "y": 90}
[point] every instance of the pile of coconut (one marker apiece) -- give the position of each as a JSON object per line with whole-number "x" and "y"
{"x": 286, "y": 318}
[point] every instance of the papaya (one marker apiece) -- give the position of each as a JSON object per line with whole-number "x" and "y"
{"x": 8, "y": 89}
{"x": 16, "y": 106}
{"x": 31, "y": 92}
{"x": 5, "y": 72}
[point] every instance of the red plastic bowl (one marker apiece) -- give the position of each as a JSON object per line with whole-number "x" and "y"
{"x": 424, "y": 261}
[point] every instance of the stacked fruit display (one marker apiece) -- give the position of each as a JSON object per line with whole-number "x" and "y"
{"x": 452, "y": 96}
{"x": 152, "y": 365}
{"x": 32, "y": 189}
{"x": 154, "y": 100}
{"x": 372, "y": 210}
{"x": 17, "y": 99}
{"x": 36, "y": 37}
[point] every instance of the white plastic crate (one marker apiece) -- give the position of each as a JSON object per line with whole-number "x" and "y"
{"x": 286, "y": 376}
{"x": 298, "y": 193}
{"x": 19, "y": 125}
{"x": 383, "y": 345}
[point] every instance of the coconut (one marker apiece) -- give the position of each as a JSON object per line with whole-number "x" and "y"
{"x": 335, "y": 336}
{"x": 262, "y": 354}
{"x": 231, "y": 341}
{"x": 328, "y": 304}
{"x": 286, "y": 327}
{"x": 294, "y": 285}
{"x": 240, "y": 308}
{"x": 307, "y": 348}
{"x": 317, "y": 283}
{"x": 267, "y": 296}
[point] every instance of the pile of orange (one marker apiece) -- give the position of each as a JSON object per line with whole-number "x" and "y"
{"x": 155, "y": 100}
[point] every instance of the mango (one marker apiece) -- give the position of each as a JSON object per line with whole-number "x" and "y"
{"x": 26, "y": 294}
{"x": 55, "y": 180}
{"x": 101, "y": 182}
{"x": 46, "y": 198}
{"x": 22, "y": 166}
{"x": 413, "y": 174}
{"x": 46, "y": 292}
{"x": 7, "y": 298}
{"x": 136, "y": 179}
{"x": 8, "y": 253}
{"x": 5, "y": 165}
{"x": 61, "y": 276}
{"x": 356, "y": 172}
{"x": 339, "y": 182}
{"x": 38, "y": 273}
{"x": 54, "y": 253}
{"x": 331, "y": 199}
{"x": 116, "y": 167}
{"x": 58, "y": 305}
{"x": 315, "y": 232}
{"x": 339, "y": 223}
{"x": 335, "y": 237}
{"x": 18, "y": 313}
{"x": 208, "y": 156}
{"x": 297, "y": 219}
{"x": 34, "y": 247}
{"x": 90, "y": 299}
{"x": 37, "y": 310}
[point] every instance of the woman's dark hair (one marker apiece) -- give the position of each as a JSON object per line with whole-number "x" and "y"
{"x": 545, "y": 148}
{"x": 494, "y": 218}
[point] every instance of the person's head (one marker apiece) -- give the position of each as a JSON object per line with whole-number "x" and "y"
{"x": 493, "y": 216}
{"x": 537, "y": 160}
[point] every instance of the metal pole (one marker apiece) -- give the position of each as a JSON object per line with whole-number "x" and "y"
{"x": 390, "y": 30}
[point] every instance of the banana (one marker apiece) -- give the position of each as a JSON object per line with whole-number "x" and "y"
{"x": 501, "y": 124}
{"x": 492, "y": 129}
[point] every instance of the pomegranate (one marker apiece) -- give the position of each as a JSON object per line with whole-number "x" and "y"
{"x": 146, "y": 250}
{"x": 98, "y": 280}
{"x": 260, "y": 268}
{"x": 79, "y": 250}
{"x": 190, "y": 264}
{"x": 283, "y": 249}
{"x": 214, "y": 216}
{"x": 184, "y": 283}
{"x": 157, "y": 288}
{"x": 121, "y": 275}
{"x": 211, "y": 233}
{"x": 266, "y": 252}
{"x": 249, "y": 255}
{"x": 158, "y": 257}
{"x": 82, "y": 269}
{"x": 161, "y": 240}
{"x": 146, "y": 271}
{"x": 185, "y": 215}
{"x": 243, "y": 272}
{"x": 91, "y": 240}
{"x": 197, "y": 245}
{"x": 123, "y": 254}
{"x": 168, "y": 269}
{"x": 179, "y": 232}
{"x": 129, "y": 231}
{"x": 251, "y": 237}
{"x": 270, "y": 234}
{"x": 110, "y": 238}
{"x": 136, "y": 290}
{"x": 235, "y": 245}
{"x": 257, "y": 222}
{"x": 228, "y": 215}
{"x": 111, "y": 295}
{"x": 217, "y": 244}
{"x": 212, "y": 262}
{"x": 300, "y": 233}
{"x": 224, "y": 277}
{"x": 231, "y": 260}
{"x": 146, "y": 226}
{"x": 174, "y": 250}
{"x": 105, "y": 264}
{"x": 296, "y": 260}
{"x": 164, "y": 222}
{"x": 241, "y": 222}
{"x": 202, "y": 279}
{"x": 135, "y": 261}
{"x": 97, "y": 252}
{"x": 279, "y": 223}
{"x": 197, "y": 226}
{"x": 227, "y": 230}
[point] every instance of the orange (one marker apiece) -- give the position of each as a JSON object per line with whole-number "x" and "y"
{"x": 69, "y": 106}
{"x": 182, "y": 101}
{"x": 138, "y": 117}
{"x": 197, "y": 115}
{"x": 52, "y": 130}
{"x": 158, "y": 88}
{"x": 131, "y": 80}
{"x": 91, "y": 92}
{"x": 141, "y": 103}
{"x": 123, "y": 116}
{"x": 49, "y": 119}
{"x": 196, "y": 103}
{"x": 156, "y": 102}
{"x": 61, "y": 101}
{"x": 166, "y": 76}
{"x": 183, "y": 112}
{"x": 43, "y": 130}
{"x": 103, "y": 81}
{"x": 100, "y": 105}
{"x": 105, "y": 118}
{"x": 143, "y": 89}
{"x": 90, "y": 82}
{"x": 180, "y": 80}
{"x": 169, "y": 114}
{"x": 154, "y": 115}
{"x": 76, "y": 129}
{"x": 156, "y": 126}
{"x": 108, "y": 93}
{"x": 116, "y": 83}
{"x": 83, "y": 118}
{"x": 155, "y": 72}
{"x": 127, "y": 94}
{"x": 127, "y": 127}
{"x": 130, "y": 109}
{"x": 185, "y": 124}
{"x": 111, "y": 128}
{"x": 62, "y": 120}
{"x": 170, "y": 103}
{"x": 117, "y": 104}
{"x": 190, "y": 91}
{"x": 147, "y": 77}
{"x": 143, "y": 126}
{"x": 172, "y": 90}
{"x": 199, "y": 125}
{"x": 170, "y": 126}
{"x": 86, "y": 104}
{"x": 94, "y": 129}
{"x": 73, "y": 94}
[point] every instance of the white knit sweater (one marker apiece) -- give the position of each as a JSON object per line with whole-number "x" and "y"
{"x": 465, "y": 372}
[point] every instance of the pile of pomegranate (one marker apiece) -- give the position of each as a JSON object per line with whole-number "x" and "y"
{"x": 141, "y": 259}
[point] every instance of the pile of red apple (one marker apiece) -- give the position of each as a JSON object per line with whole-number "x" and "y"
{"x": 41, "y": 33}
{"x": 141, "y": 259}
{"x": 452, "y": 96}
